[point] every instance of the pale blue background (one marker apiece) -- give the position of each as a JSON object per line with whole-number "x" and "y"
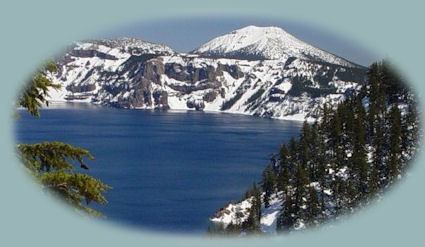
{"x": 34, "y": 30}
{"x": 186, "y": 34}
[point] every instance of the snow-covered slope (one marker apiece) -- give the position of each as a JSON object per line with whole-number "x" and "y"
{"x": 265, "y": 43}
{"x": 237, "y": 213}
{"x": 130, "y": 73}
{"x": 133, "y": 46}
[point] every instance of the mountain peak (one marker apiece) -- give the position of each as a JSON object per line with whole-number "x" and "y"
{"x": 259, "y": 28}
{"x": 266, "y": 29}
{"x": 254, "y": 42}
{"x": 131, "y": 45}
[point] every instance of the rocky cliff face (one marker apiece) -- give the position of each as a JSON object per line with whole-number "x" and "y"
{"x": 130, "y": 73}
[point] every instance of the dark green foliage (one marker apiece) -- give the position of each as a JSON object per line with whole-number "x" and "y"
{"x": 76, "y": 188}
{"x": 304, "y": 145}
{"x": 252, "y": 223}
{"x": 34, "y": 93}
{"x": 360, "y": 166}
{"x": 231, "y": 230}
{"x": 269, "y": 184}
{"x": 288, "y": 216}
{"x": 283, "y": 173}
{"x": 313, "y": 207}
{"x": 52, "y": 163}
{"x": 409, "y": 130}
{"x": 51, "y": 156}
{"x": 393, "y": 82}
{"x": 352, "y": 154}
{"x": 256, "y": 202}
{"x": 395, "y": 149}
{"x": 301, "y": 183}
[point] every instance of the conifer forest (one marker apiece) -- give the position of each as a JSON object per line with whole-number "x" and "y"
{"x": 341, "y": 162}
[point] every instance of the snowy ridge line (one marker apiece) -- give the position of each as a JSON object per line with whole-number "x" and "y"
{"x": 267, "y": 43}
{"x": 134, "y": 74}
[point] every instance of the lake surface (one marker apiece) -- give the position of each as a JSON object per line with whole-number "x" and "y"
{"x": 170, "y": 171}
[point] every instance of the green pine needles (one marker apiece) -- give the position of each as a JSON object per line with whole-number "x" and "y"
{"x": 53, "y": 163}
{"x": 34, "y": 94}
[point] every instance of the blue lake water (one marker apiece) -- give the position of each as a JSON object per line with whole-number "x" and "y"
{"x": 170, "y": 171}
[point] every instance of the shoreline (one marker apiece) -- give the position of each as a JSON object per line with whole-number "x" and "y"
{"x": 60, "y": 102}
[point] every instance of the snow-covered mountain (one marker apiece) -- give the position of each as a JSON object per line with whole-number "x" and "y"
{"x": 286, "y": 79}
{"x": 265, "y": 43}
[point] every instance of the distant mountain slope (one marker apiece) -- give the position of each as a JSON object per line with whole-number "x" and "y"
{"x": 265, "y": 43}
{"x": 128, "y": 73}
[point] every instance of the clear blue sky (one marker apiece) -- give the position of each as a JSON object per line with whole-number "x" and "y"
{"x": 184, "y": 35}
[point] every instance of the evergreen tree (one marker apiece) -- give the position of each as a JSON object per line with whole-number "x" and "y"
{"x": 304, "y": 152}
{"x": 313, "y": 149}
{"x": 324, "y": 126}
{"x": 287, "y": 216}
{"x": 395, "y": 152}
{"x": 301, "y": 183}
{"x": 209, "y": 231}
{"x": 256, "y": 203}
{"x": 52, "y": 163}
{"x": 394, "y": 84}
{"x": 252, "y": 223}
{"x": 359, "y": 153}
{"x": 324, "y": 159}
{"x": 322, "y": 173}
{"x": 336, "y": 138}
{"x": 313, "y": 206}
{"x": 293, "y": 155}
{"x": 269, "y": 183}
{"x": 373, "y": 80}
{"x": 283, "y": 173}
{"x": 374, "y": 77}
{"x": 376, "y": 115}
{"x": 410, "y": 129}
{"x": 232, "y": 229}
{"x": 354, "y": 152}
{"x": 374, "y": 180}
{"x": 337, "y": 158}
{"x": 35, "y": 92}
{"x": 216, "y": 230}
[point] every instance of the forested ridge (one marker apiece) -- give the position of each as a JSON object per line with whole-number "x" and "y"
{"x": 354, "y": 153}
